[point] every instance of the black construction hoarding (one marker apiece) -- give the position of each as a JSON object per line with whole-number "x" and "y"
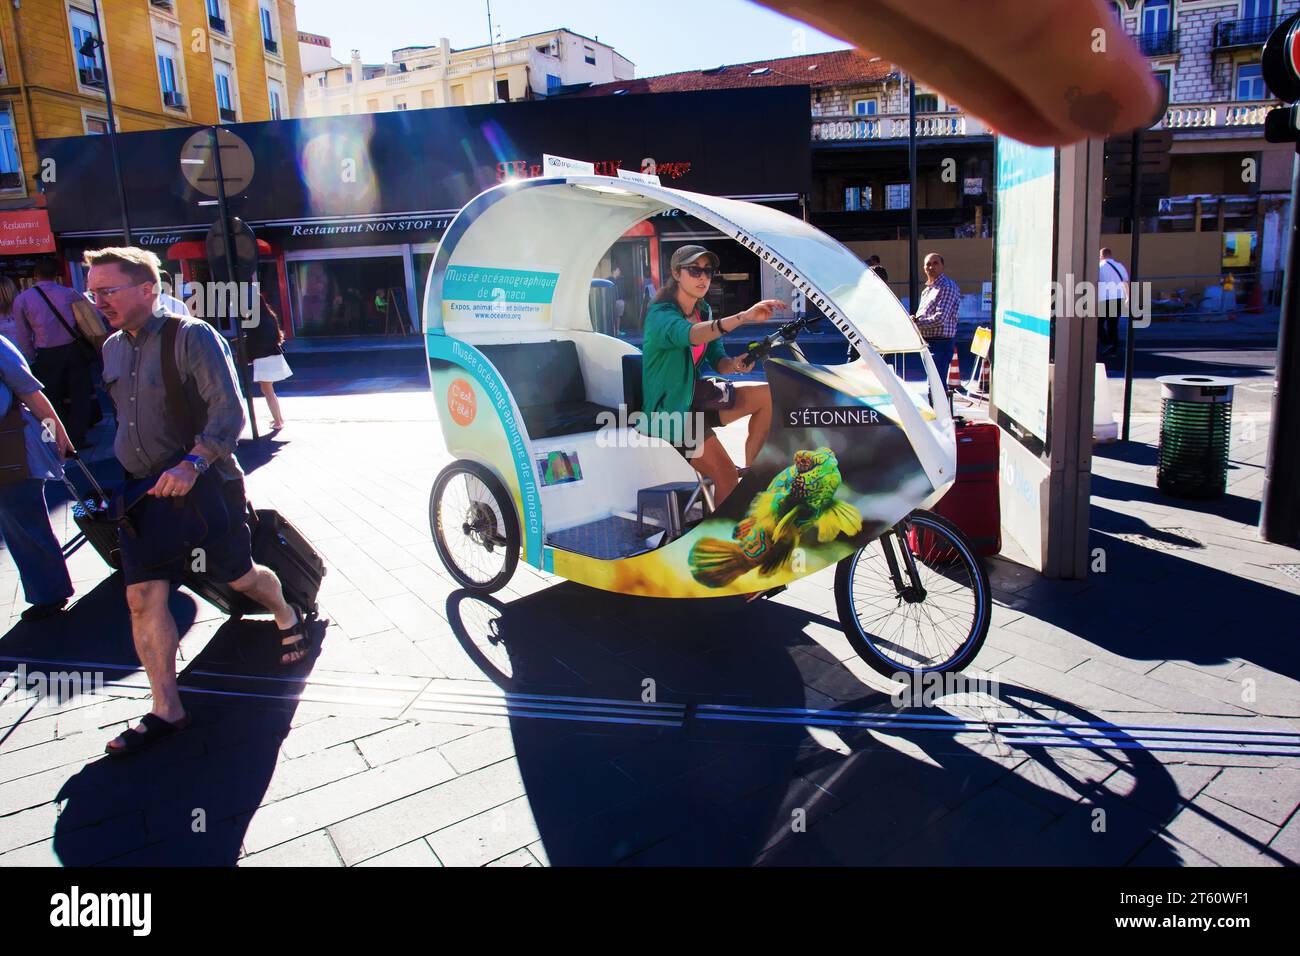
{"x": 400, "y": 176}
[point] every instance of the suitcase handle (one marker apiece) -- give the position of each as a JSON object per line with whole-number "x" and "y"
{"x": 74, "y": 456}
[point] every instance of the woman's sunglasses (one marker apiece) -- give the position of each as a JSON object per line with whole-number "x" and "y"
{"x": 696, "y": 271}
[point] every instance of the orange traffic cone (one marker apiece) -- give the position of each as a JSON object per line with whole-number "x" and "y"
{"x": 954, "y": 372}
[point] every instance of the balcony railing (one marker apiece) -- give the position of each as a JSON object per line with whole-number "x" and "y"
{"x": 1252, "y": 31}
{"x": 174, "y": 99}
{"x": 11, "y": 180}
{"x": 91, "y": 76}
{"x": 228, "y": 115}
{"x": 1162, "y": 43}
{"x": 270, "y": 45}
{"x": 1216, "y": 115}
{"x": 894, "y": 126}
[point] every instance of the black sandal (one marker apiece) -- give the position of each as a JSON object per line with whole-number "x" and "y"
{"x": 302, "y": 645}
{"x": 155, "y": 731}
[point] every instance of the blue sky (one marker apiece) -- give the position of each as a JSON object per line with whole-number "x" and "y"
{"x": 660, "y": 36}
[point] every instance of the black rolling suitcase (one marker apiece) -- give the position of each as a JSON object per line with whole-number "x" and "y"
{"x": 277, "y": 545}
{"x": 91, "y": 517}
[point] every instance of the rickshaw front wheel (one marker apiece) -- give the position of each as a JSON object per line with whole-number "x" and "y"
{"x": 917, "y": 600}
{"x": 474, "y": 527}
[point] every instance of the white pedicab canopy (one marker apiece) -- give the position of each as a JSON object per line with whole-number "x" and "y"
{"x": 519, "y": 258}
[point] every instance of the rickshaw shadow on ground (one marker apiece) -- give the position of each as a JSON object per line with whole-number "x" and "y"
{"x": 738, "y": 791}
{"x": 188, "y": 801}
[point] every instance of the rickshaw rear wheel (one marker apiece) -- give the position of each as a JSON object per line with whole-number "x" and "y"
{"x": 475, "y": 531}
{"x": 932, "y": 619}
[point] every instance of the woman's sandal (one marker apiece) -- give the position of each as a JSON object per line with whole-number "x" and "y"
{"x": 301, "y": 632}
{"x": 155, "y": 731}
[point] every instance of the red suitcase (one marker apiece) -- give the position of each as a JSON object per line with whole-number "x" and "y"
{"x": 972, "y": 502}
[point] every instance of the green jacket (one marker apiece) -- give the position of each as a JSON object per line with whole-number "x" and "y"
{"x": 668, "y": 371}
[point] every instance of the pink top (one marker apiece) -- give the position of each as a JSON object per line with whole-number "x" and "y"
{"x": 697, "y": 351}
{"x": 37, "y": 326}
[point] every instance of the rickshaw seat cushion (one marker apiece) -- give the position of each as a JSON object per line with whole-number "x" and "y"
{"x": 546, "y": 381}
{"x": 633, "y": 386}
{"x": 539, "y": 373}
{"x": 567, "y": 418}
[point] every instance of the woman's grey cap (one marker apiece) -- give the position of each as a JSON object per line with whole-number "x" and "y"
{"x": 688, "y": 254}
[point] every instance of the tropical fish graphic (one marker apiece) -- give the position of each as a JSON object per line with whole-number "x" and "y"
{"x": 798, "y": 505}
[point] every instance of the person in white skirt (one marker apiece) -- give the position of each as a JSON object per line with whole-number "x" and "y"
{"x": 265, "y": 344}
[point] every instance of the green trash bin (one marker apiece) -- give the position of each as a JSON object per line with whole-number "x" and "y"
{"x": 1195, "y": 431}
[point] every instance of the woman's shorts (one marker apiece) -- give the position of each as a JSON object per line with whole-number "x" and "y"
{"x": 703, "y": 423}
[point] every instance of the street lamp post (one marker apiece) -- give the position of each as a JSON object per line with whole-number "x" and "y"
{"x": 88, "y": 48}
{"x": 228, "y": 248}
{"x": 492, "y": 46}
{"x": 1280, "y": 508}
{"x": 913, "y": 278}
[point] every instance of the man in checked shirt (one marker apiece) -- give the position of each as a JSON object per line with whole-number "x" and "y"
{"x": 937, "y": 316}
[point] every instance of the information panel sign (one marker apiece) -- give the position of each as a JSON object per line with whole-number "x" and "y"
{"x": 1023, "y": 249}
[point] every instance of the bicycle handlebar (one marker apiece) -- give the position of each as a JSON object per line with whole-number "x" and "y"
{"x": 786, "y": 333}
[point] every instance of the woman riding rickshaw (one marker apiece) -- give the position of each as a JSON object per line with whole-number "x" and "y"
{"x": 682, "y": 406}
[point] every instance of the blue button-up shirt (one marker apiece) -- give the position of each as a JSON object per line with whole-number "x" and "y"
{"x": 16, "y": 379}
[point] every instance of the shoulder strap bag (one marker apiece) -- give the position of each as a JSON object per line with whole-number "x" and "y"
{"x": 91, "y": 352}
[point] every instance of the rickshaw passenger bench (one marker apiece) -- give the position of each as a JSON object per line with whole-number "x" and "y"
{"x": 546, "y": 381}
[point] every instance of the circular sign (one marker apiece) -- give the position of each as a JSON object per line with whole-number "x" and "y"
{"x": 461, "y": 403}
{"x": 1281, "y": 60}
{"x": 200, "y": 170}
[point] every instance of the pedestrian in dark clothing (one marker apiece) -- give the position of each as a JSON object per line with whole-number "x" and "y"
{"x": 32, "y": 445}
{"x": 873, "y": 263}
{"x": 264, "y": 344}
{"x": 47, "y": 331}
{"x": 620, "y": 297}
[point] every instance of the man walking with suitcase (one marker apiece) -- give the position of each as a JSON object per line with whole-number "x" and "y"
{"x": 182, "y": 448}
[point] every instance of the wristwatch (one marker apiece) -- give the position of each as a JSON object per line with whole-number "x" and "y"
{"x": 198, "y": 461}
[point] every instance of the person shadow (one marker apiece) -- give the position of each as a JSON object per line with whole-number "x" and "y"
{"x": 187, "y": 801}
{"x": 701, "y": 782}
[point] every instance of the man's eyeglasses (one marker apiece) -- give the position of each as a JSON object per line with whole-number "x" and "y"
{"x": 99, "y": 295}
{"x": 696, "y": 271}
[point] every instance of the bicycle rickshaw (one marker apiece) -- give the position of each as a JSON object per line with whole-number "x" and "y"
{"x": 537, "y": 408}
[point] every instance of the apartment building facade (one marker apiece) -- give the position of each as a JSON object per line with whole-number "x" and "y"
{"x": 424, "y": 77}
{"x": 167, "y": 63}
{"x": 1227, "y": 186}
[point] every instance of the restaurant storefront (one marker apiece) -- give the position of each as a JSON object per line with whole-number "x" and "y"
{"x": 25, "y": 236}
{"x": 350, "y": 209}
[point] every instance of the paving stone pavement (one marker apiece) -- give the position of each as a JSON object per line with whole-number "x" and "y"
{"x": 410, "y": 739}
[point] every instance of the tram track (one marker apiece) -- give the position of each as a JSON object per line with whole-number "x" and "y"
{"x": 451, "y": 701}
